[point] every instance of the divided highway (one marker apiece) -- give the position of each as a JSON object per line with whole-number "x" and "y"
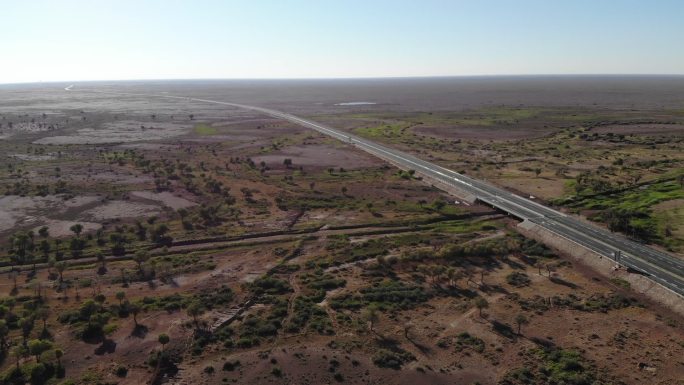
{"x": 659, "y": 266}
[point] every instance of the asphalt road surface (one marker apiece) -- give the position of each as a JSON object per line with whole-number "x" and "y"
{"x": 659, "y": 266}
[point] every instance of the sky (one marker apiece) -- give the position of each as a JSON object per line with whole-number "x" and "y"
{"x": 71, "y": 40}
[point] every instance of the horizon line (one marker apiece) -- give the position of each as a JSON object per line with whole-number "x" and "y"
{"x": 346, "y": 78}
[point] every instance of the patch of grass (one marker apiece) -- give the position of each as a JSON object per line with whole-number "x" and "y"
{"x": 307, "y": 312}
{"x": 595, "y": 303}
{"x": 491, "y": 247}
{"x": 464, "y": 226}
{"x": 566, "y": 367}
{"x": 270, "y": 285}
{"x": 637, "y": 199}
{"x": 636, "y": 205}
{"x": 554, "y": 366}
{"x": 387, "y": 295}
{"x": 205, "y": 129}
{"x": 387, "y": 131}
{"x": 255, "y": 327}
{"x": 321, "y": 281}
{"x": 620, "y": 282}
{"x": 670, "y": 223}
{"x": 183, "y": 263}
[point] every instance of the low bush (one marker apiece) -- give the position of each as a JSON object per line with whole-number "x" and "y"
{"x": 270, "y": 285}
{"x": 518, "y": 279}
{"x": 393, "y": 359}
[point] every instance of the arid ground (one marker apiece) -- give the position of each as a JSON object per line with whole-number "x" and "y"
{"x": 151, "y": 240}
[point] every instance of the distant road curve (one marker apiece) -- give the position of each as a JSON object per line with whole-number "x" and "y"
{"x": 661, "y": 267}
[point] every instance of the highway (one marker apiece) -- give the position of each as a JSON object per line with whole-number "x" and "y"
{"x": 661, "y": 267}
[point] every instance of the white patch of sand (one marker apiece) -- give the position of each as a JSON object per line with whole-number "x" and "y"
{"x": 23, "y": 211}
{"x": 59, "y": 228}
{"x": 118, "y": 132}
{"x": 121, "y": 209}
{"x": 32, "y": 157}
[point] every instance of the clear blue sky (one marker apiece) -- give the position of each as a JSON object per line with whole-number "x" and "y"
{"x": 53, "y": 40}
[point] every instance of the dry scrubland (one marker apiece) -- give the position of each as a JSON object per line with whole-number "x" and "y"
{"x": 153, "y": 241}
{"x": 621, "y": 168}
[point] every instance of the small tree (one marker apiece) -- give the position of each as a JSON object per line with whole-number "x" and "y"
{"x": 434, "y": 272}
{"x": 134, "y": 309}
{"x": 43, "y": 313}
{"x": 44, "y": 232}
{"x": 77, "y": 229}
{"x": 550, "y": 268}
{"x": 371, "y": 316}
{"x": 163, "y": 340}
{"x": 58, "y": 355}
{"x": 61, "y": 266}
{"x": 45, "y": 249}
{"x": 38, "y": 347}
{"x": 13, "y": 275}
{"x": 195, "y": 310}
{"x": 103, "y": 263}
{"x": 520, "y": 319}
{"x": 453, "y": 275}
{"x": 481, "y": 303}
{"x": 19, "y": 351}
{"x": 51, "y": 265}
{"x": 287, "y": 162}
{"x": 4, "y": 332}
{"x": 141, "y": 257}
{"x": 120, "y": 295}
{"x": 124, "y": 280}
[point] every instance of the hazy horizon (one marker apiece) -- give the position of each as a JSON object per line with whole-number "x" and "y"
{"x": 77, "y": 40}
{"x": 359, "y": 78}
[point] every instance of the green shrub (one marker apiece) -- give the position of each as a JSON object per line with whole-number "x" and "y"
{"x": 246, "y": 342}
{"x": 306, "y": 311}
{"x": 518, "y": 279}
{"x": 392, "y": 359}
{"x": 270, "y": 285}
{"x": 465, "y": 340}
{"x": 121, "y": 371}
{"x": 388, "y": 295}
{"x": 620, "y": 282}
{"x": 230, "y": 366}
